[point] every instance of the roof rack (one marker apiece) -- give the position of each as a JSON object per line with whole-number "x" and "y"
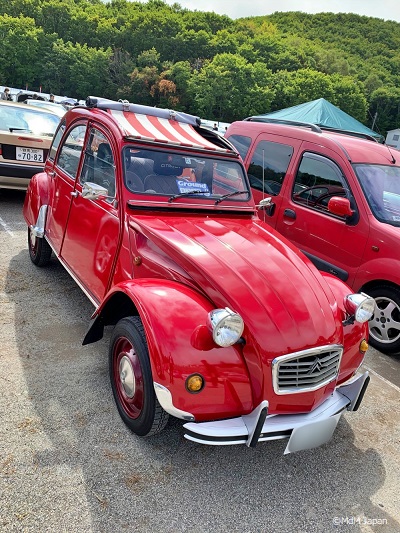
{"x": 349, "y": 132}
{"x": 124, "y": 105}
{"x": 318, "y": 128}
{"x": 313, "y": 127}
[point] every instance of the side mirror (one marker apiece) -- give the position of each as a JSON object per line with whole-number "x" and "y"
{"x": 93, "y": 191}
{"x": 340, "y": 206}
{"x": 267, "y": 205}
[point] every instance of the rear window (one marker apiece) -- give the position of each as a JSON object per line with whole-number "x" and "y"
{"x": 16, "y": 118}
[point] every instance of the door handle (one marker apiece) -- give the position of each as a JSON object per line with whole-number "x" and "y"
{"x": 289, "y": 213}
{"x": 74, "y": 194}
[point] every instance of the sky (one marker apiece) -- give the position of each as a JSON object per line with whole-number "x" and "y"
{"x": 383, "y": 9}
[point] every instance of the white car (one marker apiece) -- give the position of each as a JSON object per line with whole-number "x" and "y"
{"x": 25, "y": 136}
{"x": 58, "y": 109}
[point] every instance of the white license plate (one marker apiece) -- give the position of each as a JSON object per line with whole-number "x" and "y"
{"x": 34, "y": 155}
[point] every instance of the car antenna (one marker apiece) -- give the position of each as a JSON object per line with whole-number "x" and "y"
{"x": 391, "y": 153}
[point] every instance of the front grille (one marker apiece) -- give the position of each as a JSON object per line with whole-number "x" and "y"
{"x": 307, "y": 370}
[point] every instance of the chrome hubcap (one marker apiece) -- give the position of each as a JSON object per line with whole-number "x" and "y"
{"x": 127, "y": 376}
{"x": 384, "y": 326}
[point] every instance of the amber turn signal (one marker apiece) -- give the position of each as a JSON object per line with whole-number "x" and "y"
{"x": 364, "y": 346}
{"x": 194, "y": 383}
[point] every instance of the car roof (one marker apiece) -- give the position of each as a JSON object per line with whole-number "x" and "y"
{"x": 22, "y": 105}
{"x": 151, "y": 124}
{"x": 356, "y": 148}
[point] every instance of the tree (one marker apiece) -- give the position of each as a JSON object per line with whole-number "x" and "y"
{"x": 229, "y": 88}
{"x": 21, "y": 50}
{"x": 385, "y": 103}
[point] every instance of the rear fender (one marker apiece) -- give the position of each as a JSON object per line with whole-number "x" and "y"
{"x": 180, "y": 344}
{"x": 37, "y": 195}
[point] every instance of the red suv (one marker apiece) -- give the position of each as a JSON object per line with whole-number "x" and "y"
{"x": 153, "y": 216}
{"x": 337, "y": 197}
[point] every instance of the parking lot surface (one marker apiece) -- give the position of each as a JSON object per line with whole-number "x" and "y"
{"x": 68, "y": 463}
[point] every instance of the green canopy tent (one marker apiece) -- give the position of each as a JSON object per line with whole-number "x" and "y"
{"x": 321, "y": 113}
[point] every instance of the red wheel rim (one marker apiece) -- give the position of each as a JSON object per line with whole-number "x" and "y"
{"x": 128, "y": 377}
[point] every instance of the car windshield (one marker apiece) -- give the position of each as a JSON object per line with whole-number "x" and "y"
{"x": 37, "y": 122}
{"x": 182, "y": 174}
{"x": 381, "y": 186}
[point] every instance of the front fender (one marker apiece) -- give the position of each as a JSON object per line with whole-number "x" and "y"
{"x": 352, "y": 333}
{"x": 174, "y": 318}
{"x": 36, "y": 196}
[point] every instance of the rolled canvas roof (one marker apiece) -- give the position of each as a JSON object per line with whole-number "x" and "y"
{"x": 147, "y": 127}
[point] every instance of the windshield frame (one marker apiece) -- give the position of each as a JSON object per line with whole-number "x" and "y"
{"x": 214, "y": 175}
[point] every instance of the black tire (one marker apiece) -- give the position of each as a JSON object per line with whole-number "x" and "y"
{"x": 384, "y": 326}
{"x": 39, "y": 250}
{"x": 132, "y": 380}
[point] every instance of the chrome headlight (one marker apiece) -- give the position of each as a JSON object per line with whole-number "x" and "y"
{"x": 360, "y": 305}
{"x": 226, "y": 326}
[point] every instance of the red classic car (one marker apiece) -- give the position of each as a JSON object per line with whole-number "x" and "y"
{"x": 217, "y": 320}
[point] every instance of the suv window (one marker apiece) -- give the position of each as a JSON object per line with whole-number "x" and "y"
{"x": 269, "y": 165}
{"x": 318, "y": 179}
{"x": 70, "y": 152}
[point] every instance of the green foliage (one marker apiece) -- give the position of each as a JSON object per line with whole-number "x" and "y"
{"x": 200, "y": 62}
{"x": 229, "y": 88}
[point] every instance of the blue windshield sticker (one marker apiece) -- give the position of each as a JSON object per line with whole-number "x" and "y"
{"x": 188, "y": 186}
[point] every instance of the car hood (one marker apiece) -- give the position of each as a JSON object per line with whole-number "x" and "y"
{"x": 237, "y": 262}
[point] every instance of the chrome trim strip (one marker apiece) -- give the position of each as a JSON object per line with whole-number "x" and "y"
{"x": 164, "y": 398}
{"x": 39, "y": 229}
{"x": 304, "y": 353}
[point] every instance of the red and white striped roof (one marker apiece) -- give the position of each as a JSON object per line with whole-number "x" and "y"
{"x": 158, "y": 129}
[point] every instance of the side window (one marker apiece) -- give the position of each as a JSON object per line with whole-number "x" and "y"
{"x": 318, "y": 179}
{"x": 269, "y": 165}
{"x": 70, "y": 152}
{"x": 98, "y": 165}
{"x": 241, "y": 143}
{"x": 56, "y": 141}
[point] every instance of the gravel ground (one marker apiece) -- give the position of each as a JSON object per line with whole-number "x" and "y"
{"x": 68, "y": 464}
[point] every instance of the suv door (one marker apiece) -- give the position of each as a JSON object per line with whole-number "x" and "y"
{"x": 335, "y": 244}
{"x": 268, "y": 162}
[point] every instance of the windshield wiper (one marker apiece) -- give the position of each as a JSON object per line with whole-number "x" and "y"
{"x": 188, "y": 193}
{"x": 233, "y": 193}
{"x": 19, "y": 129}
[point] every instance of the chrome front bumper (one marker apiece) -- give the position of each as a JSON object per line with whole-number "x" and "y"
{"x": 304, "y": 431}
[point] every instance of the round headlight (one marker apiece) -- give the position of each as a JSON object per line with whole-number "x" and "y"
{"x": 361, "y": 306}
{"x": 226, "y": 326}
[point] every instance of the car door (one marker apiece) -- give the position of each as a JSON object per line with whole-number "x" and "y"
{"x": 268, "y": 162}
{"x": 334, "y": 243}
{"x": 92, "y": 231}
{"x": 62, "y": 168}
